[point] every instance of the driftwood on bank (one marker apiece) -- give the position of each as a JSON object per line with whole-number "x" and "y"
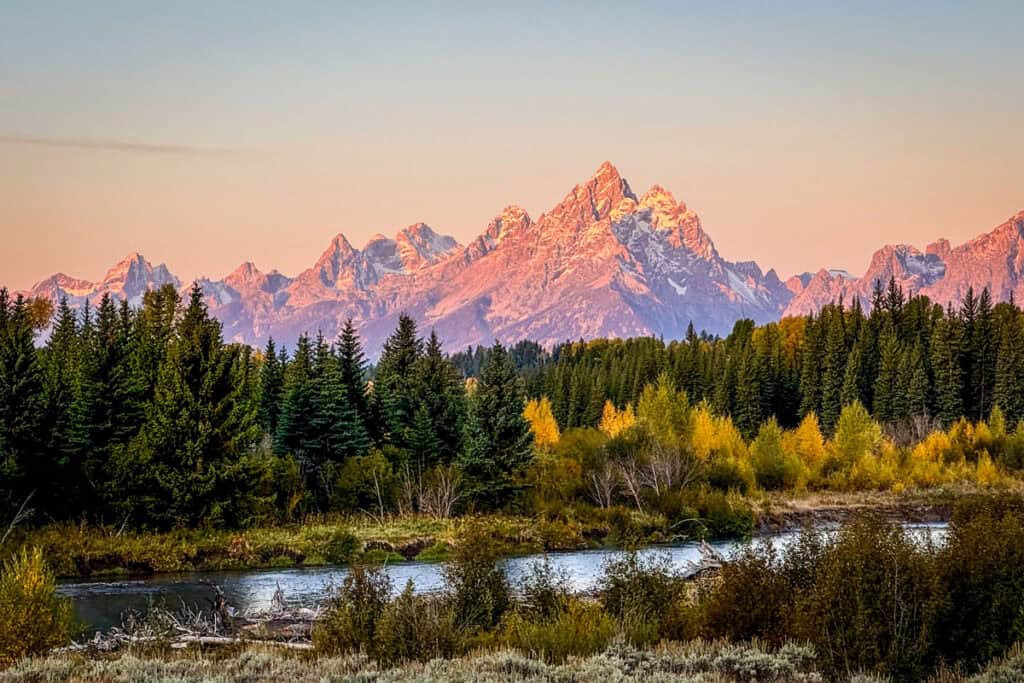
{"x": 280, "y": 626}
{"x": 711, "y": 561}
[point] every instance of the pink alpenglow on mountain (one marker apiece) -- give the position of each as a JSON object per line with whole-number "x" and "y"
{"x": 942, "y": 273}
{"x": 603, "y": 262}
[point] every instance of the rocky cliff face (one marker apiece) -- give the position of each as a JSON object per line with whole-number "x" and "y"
{"x": 129, "y": 279}
{"x": 941, "y": 272}
{"x": 602, "y": 262}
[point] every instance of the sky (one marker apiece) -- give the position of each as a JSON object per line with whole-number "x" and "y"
{"x": 805, "y": 134}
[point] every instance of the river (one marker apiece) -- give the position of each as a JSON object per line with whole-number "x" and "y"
{"x": 99, "y": 605}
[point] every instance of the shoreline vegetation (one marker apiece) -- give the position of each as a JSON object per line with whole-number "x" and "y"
{"x": 870, "y": 603}
{"x": 81, "y": 551}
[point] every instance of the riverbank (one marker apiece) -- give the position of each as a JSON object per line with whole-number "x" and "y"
{"x": 85, "y": 551}
{"x": 809, "y": 587}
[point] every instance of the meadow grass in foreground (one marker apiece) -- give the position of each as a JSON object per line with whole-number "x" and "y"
{"x": 692, "y": 662}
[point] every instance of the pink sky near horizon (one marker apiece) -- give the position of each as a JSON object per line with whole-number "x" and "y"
{"x": 803, "y": 139}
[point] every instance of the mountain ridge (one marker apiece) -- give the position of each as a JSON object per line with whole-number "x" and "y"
{"x": 602, "y": 262}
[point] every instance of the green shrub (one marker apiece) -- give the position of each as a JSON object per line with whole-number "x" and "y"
{"x": 578, "y": 629}
{"x": 981, "y": 571}
{"x": 33, "y": 618}
{"x": 544, "y": 591}
{"x": 724, "y": 515}
{"x": 416, "y": 627}
{"x": 728, "y": 474}
{"x": 751, "y": 599}
{"x": 477, "y": 584}
{"x": 438, "y": 552}
{"x": 636, "y": 590}
{"x": 774, "y": 467}
{"x": 340, "y": 547}
{"x": 871, "y": 604}
{"x": 365, "y": 482}
{"x": 350, "y": 621}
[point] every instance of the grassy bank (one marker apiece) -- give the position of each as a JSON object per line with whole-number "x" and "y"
{"x": 93, "y": 551}
{"x": 82, "y": 551}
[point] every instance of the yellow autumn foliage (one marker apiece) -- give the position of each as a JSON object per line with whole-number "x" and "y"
{"x": 542, "y": 422}
{"x": 615, "y": 421}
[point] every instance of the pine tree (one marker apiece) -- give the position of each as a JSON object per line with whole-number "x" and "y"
{"x": 271, "y": 387}
{"x": 182, "y": 467}
{"x": 747, "y": 410}
{"x": 498, "y": 437}
{"x": 887, "y": 383}
{"x": 945, "y": 357}
{"x": 108, "y": 410}
{"x": 913, "y": 392}
{"x": 24, "y": 466}
{"x": 1008, "y": 392}
{"x": 61, "y": 367}
{"x": 853, "y": 387}
{"x": 983, "y": 349}
{"x": 352, "y": 362}
{"x": 335, "y": 429}
{"x": 833, "y": 368}
{"x": 810, "y": 373}
{"x": 394, "y": 386}
{"x": 154, "y": 328}
{"x": 441, "y": 396}
{"x": 292, "y": 436}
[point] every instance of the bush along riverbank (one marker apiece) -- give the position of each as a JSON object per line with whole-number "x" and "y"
{"x": 869, "y": 601}
{"x": 89, "y": 551}
{"x": 84, "y": 551}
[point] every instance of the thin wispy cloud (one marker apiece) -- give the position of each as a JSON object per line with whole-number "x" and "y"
{"x": 126, "y": 146}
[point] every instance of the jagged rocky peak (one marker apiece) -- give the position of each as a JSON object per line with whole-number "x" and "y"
{"x": 249, "y": 278}
{"x": 511, "y": 219}
{"x": 134, "y": 275}
{"x": 593, "y": 200}
{"x": 681, "y": 224}
{"x": 661, "y": 202}
{"x": 245, "y": 273}
{"x": 419, "y": 245}
{"x": 339, "y": 247}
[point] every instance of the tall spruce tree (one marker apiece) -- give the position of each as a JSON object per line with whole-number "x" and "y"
{"x": 108, "y": 409}
{"x": 946, "y": 366}
{"x": 182, "y": 468}
{"x": 833, "y": 367}
{"x": 887, "y": 384}
{"x": 441, "y": 407}
{"x": 499, "y": 444}
{"x": 61, "y": 364}
{"x": 292, "y": 436}
{"x": 24, "y": 465}
{"x": 352, "y": 363}
{"x": 271, "y": 387}
{"x": 1008, "y": 392}
{"x": 983, "y": 349}
{"x": 394, "y": 385}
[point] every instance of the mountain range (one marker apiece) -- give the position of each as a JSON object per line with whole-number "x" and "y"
{"x": 604, "y": 262}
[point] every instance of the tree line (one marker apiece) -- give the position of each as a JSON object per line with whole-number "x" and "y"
{"x": 912, "y": 363}
{"x": 147, "y": 417}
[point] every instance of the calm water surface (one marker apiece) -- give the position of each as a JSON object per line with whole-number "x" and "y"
{"x": 100, "y": 604}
